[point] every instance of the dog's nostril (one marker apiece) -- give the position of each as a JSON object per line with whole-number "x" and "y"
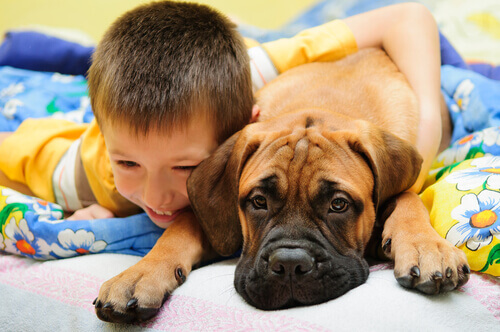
{"x": 287, "y": 261}
{"x": 278, "y": 268}
{"x": 302, "y": 269}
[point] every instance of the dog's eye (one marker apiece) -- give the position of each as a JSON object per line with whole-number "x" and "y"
{"x": 259, "y": 202}
{"x": 338, "y": 205}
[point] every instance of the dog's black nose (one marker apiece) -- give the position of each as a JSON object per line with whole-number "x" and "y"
{"x": 290, "y": 261}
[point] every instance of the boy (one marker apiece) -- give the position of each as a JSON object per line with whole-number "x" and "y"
{"x": 169, "y": 82}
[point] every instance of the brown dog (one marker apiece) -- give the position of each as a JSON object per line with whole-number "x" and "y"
{"x": 302, "y": 189}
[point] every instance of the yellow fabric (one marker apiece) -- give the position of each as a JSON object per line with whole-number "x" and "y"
{"x": 462, "y": 195}
{"x": 30, "y": 155}
{"x": 249, "y": 42}
{"x": 99, "y": 174}
{"x": 328, "y": 42}
{"x": 443, "y": 200}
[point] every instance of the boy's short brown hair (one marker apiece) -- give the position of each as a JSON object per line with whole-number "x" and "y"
{"x": 162, "y": 64}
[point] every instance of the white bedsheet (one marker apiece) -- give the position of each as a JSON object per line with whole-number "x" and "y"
{"x": 57, "y": 296}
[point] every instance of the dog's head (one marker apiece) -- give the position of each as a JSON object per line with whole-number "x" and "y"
{"x": 300, "y": 192}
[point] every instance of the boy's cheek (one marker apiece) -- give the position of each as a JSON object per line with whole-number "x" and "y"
{"x": 123, "y": 186}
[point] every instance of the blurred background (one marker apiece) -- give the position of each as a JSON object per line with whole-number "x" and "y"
{"x": 94, "y": 16}
{"x": 472, "y": 26}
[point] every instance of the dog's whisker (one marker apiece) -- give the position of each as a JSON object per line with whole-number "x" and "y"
{"x": 232, "y": 292}
{"x": 230, "y": 289}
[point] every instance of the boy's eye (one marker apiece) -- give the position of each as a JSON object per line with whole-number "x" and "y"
{"x": 185, "y": 168}
{"x": 126, "y": 163}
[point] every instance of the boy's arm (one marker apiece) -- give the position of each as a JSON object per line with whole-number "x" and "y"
{"x": 409, "y": 35}
{"x": 328, "y": 42}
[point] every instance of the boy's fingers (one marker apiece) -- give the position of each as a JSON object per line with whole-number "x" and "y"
{"x": 93, "y": 211}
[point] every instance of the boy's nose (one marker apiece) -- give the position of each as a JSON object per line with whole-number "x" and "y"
{"x": 157, "y": 195}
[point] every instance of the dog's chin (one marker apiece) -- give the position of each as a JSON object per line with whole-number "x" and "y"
{"x": 328, "y": 279}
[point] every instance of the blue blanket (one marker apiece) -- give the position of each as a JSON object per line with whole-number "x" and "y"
{"x": 35, "y": 228}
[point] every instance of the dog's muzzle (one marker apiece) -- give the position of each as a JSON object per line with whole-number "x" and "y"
{"x": 287, "y": 273}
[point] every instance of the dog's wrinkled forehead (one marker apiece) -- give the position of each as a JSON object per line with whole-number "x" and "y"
{"x": 323, "y": 119}
{"x": 304, "y": 150}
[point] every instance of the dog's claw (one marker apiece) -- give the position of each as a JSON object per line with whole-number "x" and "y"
{"x": 179, "y": 276}
{"x": 464, "y": 276}
{"x": 437, "y": 276}
{"x": 94, "y": 302}
{"x": 406, "y": 281}
{"x": 436, "y": 283}
{"x": 387, "y": 246}
{"x": 132, "y": 304}
{"x": 134, "y": 313}
{"x": 415, "y": 272}
{"x": 98, "y": 304}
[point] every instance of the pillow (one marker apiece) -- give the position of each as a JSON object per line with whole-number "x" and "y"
{"x": 41, "y": 52}
{"x": 462, "y": 194}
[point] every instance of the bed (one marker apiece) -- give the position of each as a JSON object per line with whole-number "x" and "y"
{"x": 51, "y": 269}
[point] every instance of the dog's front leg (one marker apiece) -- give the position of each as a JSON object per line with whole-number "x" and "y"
{"x": 422, "y": 259}
{"x": 137, "y": 294}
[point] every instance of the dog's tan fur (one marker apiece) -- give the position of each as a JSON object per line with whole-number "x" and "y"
{"x": 138, "y": 293}
{"x": 353, "y": 124}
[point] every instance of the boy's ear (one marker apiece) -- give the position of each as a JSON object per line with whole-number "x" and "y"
{"x": 213, "y": 192}
{"x": 255, "y": 113}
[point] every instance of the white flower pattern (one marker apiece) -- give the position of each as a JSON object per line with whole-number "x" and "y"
{"x": 77, "y": 243}
{"x": 478, "y": 221}
{"x": 19, "y": 239}
{"x": 486, "y": 172}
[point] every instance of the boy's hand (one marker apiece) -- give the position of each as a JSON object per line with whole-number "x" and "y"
{"x": 94, "y": 211}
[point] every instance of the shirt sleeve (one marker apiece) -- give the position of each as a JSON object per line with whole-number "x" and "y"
{"x": 30, "y": 155}
{"x": 328, "y": 42}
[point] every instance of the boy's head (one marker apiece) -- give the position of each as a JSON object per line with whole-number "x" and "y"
{"x": 168, "y": 83}
{"x": 164, "y": 63}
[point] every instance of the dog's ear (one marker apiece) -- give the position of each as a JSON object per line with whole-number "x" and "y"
{"x": 395, "y": 163}
{"x": 213, "y": 191}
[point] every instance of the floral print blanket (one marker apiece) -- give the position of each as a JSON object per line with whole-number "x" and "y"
{"x": 463, "y": 189}
{"x": 35, "y": 228}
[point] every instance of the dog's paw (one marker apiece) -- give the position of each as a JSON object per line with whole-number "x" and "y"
{"x": 137, "y": 294}
{"x": 427, "y": 262}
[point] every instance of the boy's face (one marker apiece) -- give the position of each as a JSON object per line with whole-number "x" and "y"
{"x": 151, "y": 171}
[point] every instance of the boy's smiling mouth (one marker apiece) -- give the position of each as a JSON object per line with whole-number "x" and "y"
{"x": 163, "y": 218}
{"x": 162, "y": 213}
